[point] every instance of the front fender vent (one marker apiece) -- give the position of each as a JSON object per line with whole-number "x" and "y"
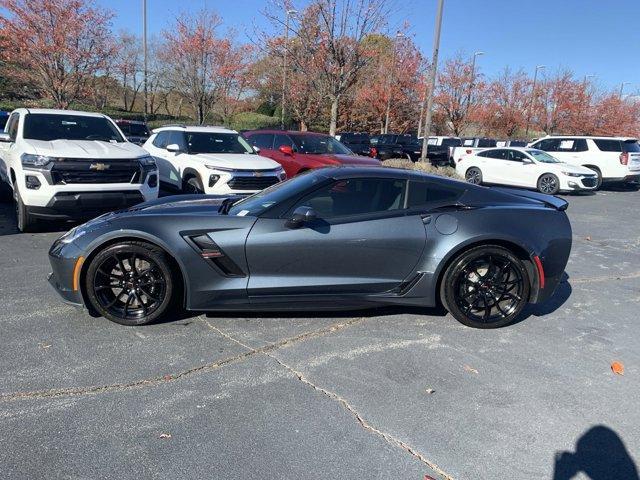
{"x": 214, "y": 255}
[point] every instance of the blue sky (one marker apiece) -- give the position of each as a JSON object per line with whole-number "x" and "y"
{"x": 591, "y": 37}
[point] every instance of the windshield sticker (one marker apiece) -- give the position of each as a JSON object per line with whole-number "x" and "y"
{"x": 242, "y": 213}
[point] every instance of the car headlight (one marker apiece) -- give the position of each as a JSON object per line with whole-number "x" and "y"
{"x": 221, "y": 169}
{"x": 572, "y": 174}
{"x": 30, "y": 160}
{"x": 147, "y": 161}
{"x": 72, "y": 235}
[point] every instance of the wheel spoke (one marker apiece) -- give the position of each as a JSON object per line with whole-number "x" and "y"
{"x": 127, "y": 303}
{"x": 155, "y": 299}
{"x": 142, "y": 304}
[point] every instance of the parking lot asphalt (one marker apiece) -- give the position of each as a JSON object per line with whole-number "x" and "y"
{"x": 385, "y": 394}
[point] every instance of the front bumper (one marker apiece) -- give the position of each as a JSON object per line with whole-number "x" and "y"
{"x": 63, "y": 258}
{"x": 85, "y": 205}
{"x": 578, "y": 183}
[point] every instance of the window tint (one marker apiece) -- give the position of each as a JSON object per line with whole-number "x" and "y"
{"x": 261, "y": 140}
{"x": 608, "y": 145}
{"x": 515, "y": 155}
{"x": 318, "y": 144}
{"x": 486, "y": 143}
{"x": 134, "y": 129}
{"x": 177, "y": 137}
{"x": 548, "y": 144}
{"x": 422, "y": 193}
{"x": 161, "y": 140}
{"x": 3, "y": 120}
{"x": 49, "y": 126}
{"x": 498, "y": 154}
{"x": 451, "y": 142}
{"x": 356, "y": 196}
{"x": 630, "y": 146}
{"x": 354, "y": 138}
{"x": 215, "y": 142}
{"x": 12, "y": 126}
{"x": 282, "y": 140}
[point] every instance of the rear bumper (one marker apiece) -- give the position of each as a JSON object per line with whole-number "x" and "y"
{"x": 631, "y": 178}
{"x": 85, "y": 205}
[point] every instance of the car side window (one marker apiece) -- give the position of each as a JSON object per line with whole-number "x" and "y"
{"x": 496, "y": 154}
{"x": 282, "y": 141}
{"x": 261, "y": 140}
{"x": 12, "y": 126}
{"x": 548, "y": 145}
{"x": 177, "y": 137}
{"x": 423, "y": 194}
{"x": 161, "y": 139}
{"x": 606, "y": 145}
{"x": 515, "y": 156}
{"x": 356, "y": 196}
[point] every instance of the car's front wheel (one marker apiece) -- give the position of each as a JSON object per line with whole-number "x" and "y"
{"x": 473, "y": 175}
{"x": 26, "y": 222}
{"x": 485, "y": 287}
{"x": 549, "y": 184}
{"x": 130, "y": 283}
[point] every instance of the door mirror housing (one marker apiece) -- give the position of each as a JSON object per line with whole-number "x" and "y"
{"x": 526, "y": 161}
{"x": 286, "y": 149}
{"x": 173, "y": 147}
{"x": 256, "y": 149}
{"x": 5, "y": 137}
{"x": 301, "y": 216}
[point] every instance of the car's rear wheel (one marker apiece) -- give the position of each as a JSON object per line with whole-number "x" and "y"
{"x": 549, "y": 184}
{"x": 473, "y": 175}
{"x": 192, "y": 185}
{"x": 130, "y": 283}
{"x": 485, "y": 287}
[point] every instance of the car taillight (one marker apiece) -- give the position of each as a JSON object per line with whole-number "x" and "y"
{"x": 624, "y": 158}
{"x": 373, "y": 152}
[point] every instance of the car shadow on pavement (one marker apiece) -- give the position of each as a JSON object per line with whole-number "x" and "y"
{"x": 600, "y": 454}
{"x": 559, "y": 297}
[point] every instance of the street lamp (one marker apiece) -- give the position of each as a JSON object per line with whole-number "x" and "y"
{"x": 399, "y": 35}
{"x": 144, "y": 54}
{"x": 473, "y": 66}
{"x": 533, "y": 96}
{"x": 290, "y": 12}
{"x": 622, "y": 88}
{"x": 587, "y": 77}
{"x": 432, "y": 81}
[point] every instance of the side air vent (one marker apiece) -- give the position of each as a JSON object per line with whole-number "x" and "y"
{"x": 212, "y": 253}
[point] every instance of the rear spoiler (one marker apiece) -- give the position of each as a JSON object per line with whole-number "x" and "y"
{"x": 550, "y": 200}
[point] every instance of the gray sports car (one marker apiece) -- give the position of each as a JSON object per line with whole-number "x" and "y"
{"x": 333, "y": 238}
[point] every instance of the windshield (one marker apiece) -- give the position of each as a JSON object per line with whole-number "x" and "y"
{"x": 49, "y": 126}
{"x": 134, "y": 129}
{"x": 259, "y": 202}
{"x": 542, "y": 157}
{"x": 319, "y": 144}
{"x": 209, "y": 142}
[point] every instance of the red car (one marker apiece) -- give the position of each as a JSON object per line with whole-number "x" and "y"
{"x": 300, "y": 151}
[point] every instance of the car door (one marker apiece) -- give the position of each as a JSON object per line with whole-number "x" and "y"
{"x": 517, "y": 169}
{"x": 165, "y": 160}
{"x": 362, "y": 242}
{"x": 490, "y": 162}
{"x": 8, "y": 149}
{"x": 286, "y": 156}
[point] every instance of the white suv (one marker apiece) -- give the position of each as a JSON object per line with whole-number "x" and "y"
{"x": 614, "y": 159}
{"x": 211, "y": 160}
{"x": 66, "y": 165}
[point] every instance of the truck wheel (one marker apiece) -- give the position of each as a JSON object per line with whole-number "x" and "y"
{"x": 26, "y": 222}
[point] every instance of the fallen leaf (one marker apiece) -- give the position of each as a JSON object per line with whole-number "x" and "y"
{"x": 588, "y": 238}
{"x": 617, "y": 368}
{"x": 167, "y": 377}
{"x": 428, "y": 477}
{"x": 165, "y": 435}
{"x": 430, "y": 391}
{"x": 44, "y": 345}
{"x": 470, "y": 369}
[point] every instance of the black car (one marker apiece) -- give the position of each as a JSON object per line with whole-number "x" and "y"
{"x": 135, "y": 131}
{"x": 358, "y": 142}
{"x": 409, "y": 146}
{"x": 332, "y": 238}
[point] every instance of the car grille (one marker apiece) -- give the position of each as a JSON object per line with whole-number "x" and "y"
{"x": 589, "y": 181}
{"x": 252, "y": 183}
{"x": 96, "y": 171}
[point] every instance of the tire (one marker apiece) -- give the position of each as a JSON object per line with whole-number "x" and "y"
{"x": 26, "y": 222}
{"x": 131, "y": 283}
{"x": 6, "y": 194}
{"x": 485, "y": 287}
{"x": 192, "y": 185}
{"x": 549, "y": 184}
{"x": 409, "y": 157}
{"x": 599, "y": 179}
{"x": 473, "y": 175}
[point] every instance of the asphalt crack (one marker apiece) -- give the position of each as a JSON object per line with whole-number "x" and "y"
{"x": 170, "y": 377}
{"x": 390, "y": 439}
{"x": 605, "y": 278}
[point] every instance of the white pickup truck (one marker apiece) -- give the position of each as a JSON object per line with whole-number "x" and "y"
{"x": 66, "y": 165}
{"x": 471, "y": 145}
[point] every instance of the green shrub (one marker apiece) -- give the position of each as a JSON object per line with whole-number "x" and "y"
{"x": 253, "y": 121}
{"x": 422, "y": 166}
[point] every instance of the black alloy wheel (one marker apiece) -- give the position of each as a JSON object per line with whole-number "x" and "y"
{"x": 549, "y": 184}
{"x": 130, "y": 283}
{"x": 474, "y": 175}
{"x": 486, "y": 287}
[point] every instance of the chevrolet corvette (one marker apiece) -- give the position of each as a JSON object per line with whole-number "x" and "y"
{"x": 333, "y": 238}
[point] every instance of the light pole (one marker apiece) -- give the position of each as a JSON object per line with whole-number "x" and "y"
{"x": 144, "y": 54}
{"x": 622, "y": 88}
{"x": 284, "y": 66}
{"x": 533, "y": 97}
{"x": 473, "y": 66}
{"x": 391, "y": 78}
{"x": 432, "y": 80}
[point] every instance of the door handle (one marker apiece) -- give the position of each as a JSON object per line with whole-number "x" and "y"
{"x": 426, "y": 218}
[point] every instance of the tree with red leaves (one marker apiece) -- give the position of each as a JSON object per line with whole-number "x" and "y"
{"x": 57, "y": 45}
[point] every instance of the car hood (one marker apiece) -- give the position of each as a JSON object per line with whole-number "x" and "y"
{"x": 331, "y": 159}
{"x": 237, "y": 161}
{"x": 86, "y": 149}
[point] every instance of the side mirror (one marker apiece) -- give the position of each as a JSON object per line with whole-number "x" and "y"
{"x": 173, "y": 147}
{"x": 301, "y": 215}
{"x": 286, "y": 149}
{"x": 5, "y": 137}
{"x": 256, "y": 149}
{"x": 526, "y": 161}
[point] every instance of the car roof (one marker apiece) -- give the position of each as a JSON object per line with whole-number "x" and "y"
{"x": 53, "y": 111}
{"x": 195, "y": 128}
{"x": 284, "y": 132}
{"x": 352, "y": 171}
{"x": 595, "y": 137}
